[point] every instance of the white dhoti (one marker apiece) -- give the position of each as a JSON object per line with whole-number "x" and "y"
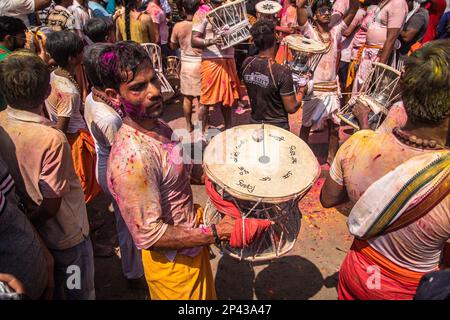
{"x": 190, "y": 77}
{"x": 323, "y": 105}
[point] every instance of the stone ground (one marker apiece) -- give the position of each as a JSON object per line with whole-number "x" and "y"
{"x": 308, "y": 271}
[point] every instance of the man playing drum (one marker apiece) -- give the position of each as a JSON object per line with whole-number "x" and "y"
{"x": 269, "y": 84}
{"x": 377, "y": 170}
{"x": 150, "y": 183}
{"x": 387, "y": 21}
{"x": 325, "y": 101}
{"x": 220, "y": 81}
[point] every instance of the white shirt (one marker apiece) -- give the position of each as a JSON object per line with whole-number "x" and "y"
{"x": 81, "y": 13}
{"x": 18, "y": 9}
{"x": 65, "y": 101}
{"x": 103, "y": 123}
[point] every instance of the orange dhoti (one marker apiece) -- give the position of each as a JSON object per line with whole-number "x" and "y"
{"x": 283, "y": 54}
{"x": 366, "y": 274}
{"x": 83, "y": 156}
{"x": 220, "y": 82}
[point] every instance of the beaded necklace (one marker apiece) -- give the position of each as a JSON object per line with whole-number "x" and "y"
{"x": 70, "y": 77}
{"x": 109, "y": 103}
{"x": 415, "y": 141}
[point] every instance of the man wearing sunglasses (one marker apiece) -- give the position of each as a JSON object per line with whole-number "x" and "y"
{"x": 324, "y": 103}
{"x": 12, "y": 37}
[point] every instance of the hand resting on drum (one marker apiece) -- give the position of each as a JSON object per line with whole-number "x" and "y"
{"x": 176, "y": 238}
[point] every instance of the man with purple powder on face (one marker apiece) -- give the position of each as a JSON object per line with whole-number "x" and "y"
{"x": 150, "y": 183}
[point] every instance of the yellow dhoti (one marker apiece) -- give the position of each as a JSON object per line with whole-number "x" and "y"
{"x": 185, "y": 278}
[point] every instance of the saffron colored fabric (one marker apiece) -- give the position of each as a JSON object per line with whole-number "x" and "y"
{"x": 220, "y": 82}
{"x": 84, "y": 162}
{"x": 366, "y": 274}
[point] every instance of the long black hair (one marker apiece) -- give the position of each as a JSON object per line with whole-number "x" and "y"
{"x": 129, "y": 5}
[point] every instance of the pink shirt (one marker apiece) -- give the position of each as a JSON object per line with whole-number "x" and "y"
{"x": 40, "y": 162}
{"x": 159, "y": 18}
{"x": 289, "y": 17}
{"x": 150, "y": 183}
{"x": 346, "y": 46}
{"x": 360, "y": 36}
{"x": 341, "y": 7}
{"x": 390, "y": 14}
{"x": 326, "y": 69}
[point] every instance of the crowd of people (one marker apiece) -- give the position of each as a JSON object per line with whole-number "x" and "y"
{"x": 80, "y": 117}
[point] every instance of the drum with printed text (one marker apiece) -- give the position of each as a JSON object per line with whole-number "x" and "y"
{"x": 263, "y": 171}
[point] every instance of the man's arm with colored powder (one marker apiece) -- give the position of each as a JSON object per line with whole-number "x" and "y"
{"x": 333, "y": 191}
{"x": 348, "y": 18}
{"x": 302, "y": 15}
{"x": 385, "y": 53}
{"x": 175, "y": 238}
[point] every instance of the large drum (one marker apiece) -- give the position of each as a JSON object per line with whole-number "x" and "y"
{"x": 379, "y": 92}
{"x": 303, "y": 54}
{"x": 264, "y": 171}
{"x": 154, "y": 52}
{"x": 230, "y": 21}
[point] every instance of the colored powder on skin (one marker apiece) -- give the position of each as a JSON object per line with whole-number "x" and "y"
{"x": 130, "y": 109}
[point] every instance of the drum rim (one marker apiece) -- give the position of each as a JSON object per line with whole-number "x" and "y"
{"x": 228, "y": 5}
{"x": 385, "y": 66}
{"x": 271, "y": 200}
{"x": 244, "y": 196}
{"x": 354, "y": 126}
{"x": 277, "y": 5}
{"x": 296, "y": 48}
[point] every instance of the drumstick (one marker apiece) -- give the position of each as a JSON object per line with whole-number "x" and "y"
{"x": 264, "y": 158}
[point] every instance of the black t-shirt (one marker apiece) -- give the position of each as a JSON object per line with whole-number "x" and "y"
{"x": 265, "y": 89}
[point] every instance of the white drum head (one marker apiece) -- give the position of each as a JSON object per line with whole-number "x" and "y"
{"x": 300, "y": 43}
{"x": 268, "y": 7}
{"x": 252, "y": 163}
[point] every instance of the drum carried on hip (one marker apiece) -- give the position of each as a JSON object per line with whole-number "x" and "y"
{"x": 261, "y": 171}
{"x": 154, "y": 52}
{"x": 302, "y": 54}
{"x": 379, "y": 92}
{"x": 230, "y": 21}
